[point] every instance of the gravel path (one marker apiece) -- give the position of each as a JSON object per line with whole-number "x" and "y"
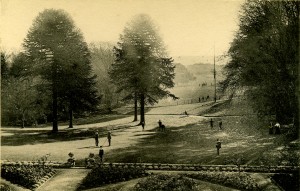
{"x": 81, "y": 148}
{"x": 65, "y": 179}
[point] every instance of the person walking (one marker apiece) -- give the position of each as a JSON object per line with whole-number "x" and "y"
{"x": 211, "y": 123}
{"x": 109, "y": 138}
{"x": 96, "y": 138}
{"x": 101, "y": 154}
{"x": 218, "y": 146}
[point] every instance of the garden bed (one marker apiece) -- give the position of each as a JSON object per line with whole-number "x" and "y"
{"x": 102, "y": 175}
{"x": 236, "y": 180}
{"x": 29, "y": 176}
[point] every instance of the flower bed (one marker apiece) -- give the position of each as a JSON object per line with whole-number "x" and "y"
{"x": 105, "y": 175}
{"x": 163, "y": 182}
{"x": 231, "y": 179}
{"x": 27, "y": 176}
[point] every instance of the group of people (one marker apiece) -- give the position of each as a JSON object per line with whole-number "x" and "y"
{"x": 212, "y": 124}
{"x": 101, "y": 151}
{"x": 97, "y": 138}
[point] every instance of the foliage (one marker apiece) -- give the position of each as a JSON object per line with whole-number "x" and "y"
{"x": 142, "y": 67}
{"x": 163, "y": 182}
{"x": 265, "y": 56}
{"x": 241, "y": 181}
{"x": 24, "y": 175}
{"x": 22, "y": 102}
{"x": 105, "y": 175}
{"x": 287, "y": 181}
{"x": 102, "y": 58}
{"x": 61, "y": 57}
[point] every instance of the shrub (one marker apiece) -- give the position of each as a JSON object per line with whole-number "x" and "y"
{"x": 231, "y": 179}
{"x": 287, "y": 181}
{"x": 105, "y": 175}
{"x": 25, "y": 175}
{"x": 163, "y": 182}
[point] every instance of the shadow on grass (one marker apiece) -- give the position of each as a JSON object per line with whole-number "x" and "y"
{"x": 196, "y": 144}
{"x": 32, "y": 137}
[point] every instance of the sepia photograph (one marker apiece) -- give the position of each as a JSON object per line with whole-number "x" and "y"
{"x": 149, "y": 95}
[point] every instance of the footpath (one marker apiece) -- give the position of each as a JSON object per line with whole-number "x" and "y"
{"x": 64, "y": 180}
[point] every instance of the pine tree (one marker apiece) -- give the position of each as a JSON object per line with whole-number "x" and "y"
{"x": 62, "y": 58}
{"x": 142, "y": 66}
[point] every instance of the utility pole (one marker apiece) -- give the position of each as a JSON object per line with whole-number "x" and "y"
{"x": 215, "y": 98}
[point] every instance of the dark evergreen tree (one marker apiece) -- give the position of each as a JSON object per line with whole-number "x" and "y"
{"x": 61, "y": 57}
{"x": 142, "y": 66}
{"x": 265, "y": 58}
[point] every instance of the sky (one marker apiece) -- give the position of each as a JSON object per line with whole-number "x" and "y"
{"x": 187, "y": 27}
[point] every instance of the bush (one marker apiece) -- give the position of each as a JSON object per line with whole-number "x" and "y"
{"x": 25, "y": 175}
{"x": 163, "y": 182}
{"x": 231, "y": 179}
{"x": 105, "y": 175}
{"x": 287, "y": 181}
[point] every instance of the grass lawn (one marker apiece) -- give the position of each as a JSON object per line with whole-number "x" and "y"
{"x": 196, "y": 144}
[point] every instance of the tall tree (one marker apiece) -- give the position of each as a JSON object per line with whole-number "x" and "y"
{"x": 265, "y": 57}
{"x": 61, "y": 57}
{"x": 142, "y": 66}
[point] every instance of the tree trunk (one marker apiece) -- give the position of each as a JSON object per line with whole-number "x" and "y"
{"x": 142, "y": 108}
{"x": 70, "y": 117}
{"x": 135, "y": 107}
{"x": 54, "y": 100}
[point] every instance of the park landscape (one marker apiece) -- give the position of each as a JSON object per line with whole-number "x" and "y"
{"x": 165, "y": 115}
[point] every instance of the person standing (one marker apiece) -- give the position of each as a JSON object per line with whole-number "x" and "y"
{"x": 218, "y": 146}
{"x": 220, "y": 125}
{"x": 159, "y": 124}
{"x": 96, "y": 138}
{"x": 109, "y": 138}
{"x": 271, "y": 128}
{"x": 211, "y": 123}
{"x": 101, "y": 154}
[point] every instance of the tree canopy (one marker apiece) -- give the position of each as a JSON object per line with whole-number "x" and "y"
{"x": 265, "y": 58}
{"x": 142, "y": 66}
{"x": 60, "y": 56}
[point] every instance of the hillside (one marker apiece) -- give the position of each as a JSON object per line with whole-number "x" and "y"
{"x": 204, "y": 72}
{"x": 182, "y": 75}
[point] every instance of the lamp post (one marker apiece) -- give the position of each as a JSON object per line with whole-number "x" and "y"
{"x": 49, "y": 57}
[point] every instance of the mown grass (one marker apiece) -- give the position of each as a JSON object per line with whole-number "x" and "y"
{"x": 242, "y": 137}
{"x": 41, "y": 136}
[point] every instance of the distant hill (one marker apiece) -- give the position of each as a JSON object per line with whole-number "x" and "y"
{"x": 204, "y": 72}
{"x": 190, "y": 60}
{"x": 182, "y": 75}
{"x": 196, "y": 73}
